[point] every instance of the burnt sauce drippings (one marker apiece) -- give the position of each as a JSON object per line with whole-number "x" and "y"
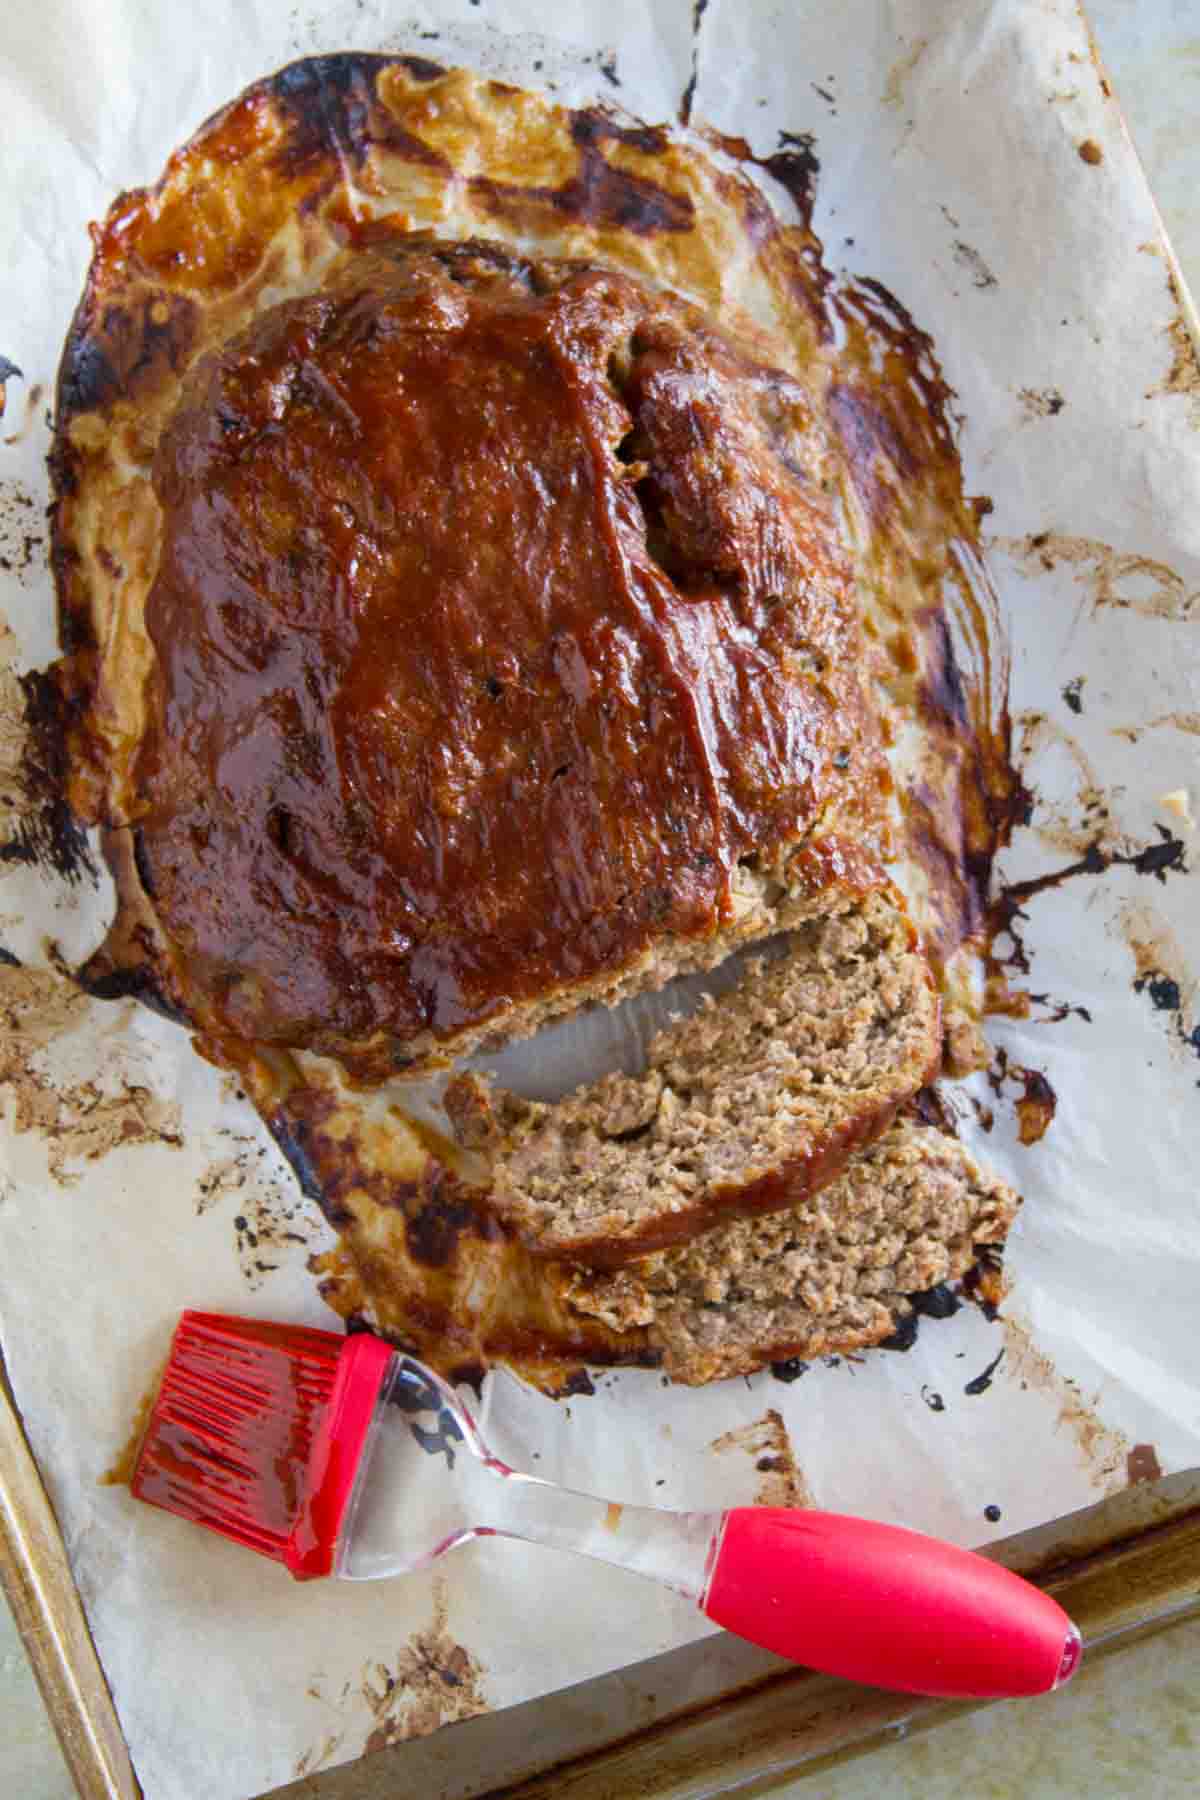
{"x": 45, "y": 832}
{"x": 1037, "y": 1101}
{"x": 983, "y": 1381}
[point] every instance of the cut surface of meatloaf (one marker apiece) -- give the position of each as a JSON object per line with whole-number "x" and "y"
{"x": 831, "y": 1274}
{"x": 752, "y": 1101}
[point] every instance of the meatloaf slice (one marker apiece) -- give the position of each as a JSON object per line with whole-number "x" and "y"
{"x": 749, "y": 1103}
{"x": 831, "y": 1274}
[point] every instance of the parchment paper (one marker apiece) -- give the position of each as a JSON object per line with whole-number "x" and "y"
{"x": 973, "y": 160}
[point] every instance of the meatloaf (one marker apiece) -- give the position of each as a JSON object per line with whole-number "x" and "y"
{"x": 460, "y": 627}
{"x": 745, "y": 1106}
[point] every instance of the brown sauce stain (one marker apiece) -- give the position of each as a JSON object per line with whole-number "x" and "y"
{"x": 1097, "y": 61}
{"x": 40, "y": 828}
{"x": 1055, "y": 1011}
{"x": 433, "y": 1681}
{"x": 766, "y": 1440}
{"x": 1158, "y": 859}
{"x": 979, "y": 1384}
{"x": 77, "y": 1121}
{"x": 120, "y": 1471}
{"x": 1187, "y": 722}
{"x": 1117, "y": 578}
{"x": 894, "y": 415}
{"x": 1102, "y": 1450}
{"x": 318, "y": 1755}
{"x": 576, "y": 1384}
{"x": 33, "y": 401}
{"x": 901, "y": 69}
{"x": 1163, "y": 974}
{"x": 970, "y": 260}
{"x": 37, "y": 827}
{"x": 985, "y": 1283}
{"x": 1183, "y": 373}
{"x": 1183, "y": 376}
{"x": 699, "y": 8}
{"x": 83, "y": 1124}
{"x": 1040, "y": 403}
{"x": 22, "y": 532}
{"x": 1142, "y": 1464}
{"x": 985, "y": 1115}
{"x": 795, "y": 167}
{"x": 1079, "y": 817}
{"x": 1036, "y": 1103}
{"x": 1090, "y": 152}
{"x": 1036, "y": 1107}
{"x": 270, "y": 1218}
{"x": 612, "y": 1515}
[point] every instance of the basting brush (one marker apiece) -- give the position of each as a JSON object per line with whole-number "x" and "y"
{"x": 341, "y": 1456}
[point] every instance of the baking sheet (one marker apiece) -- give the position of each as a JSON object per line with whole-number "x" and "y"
{"x": 972, "y": 161}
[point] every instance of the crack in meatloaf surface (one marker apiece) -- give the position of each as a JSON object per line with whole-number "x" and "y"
{"x": 504, "y": 652}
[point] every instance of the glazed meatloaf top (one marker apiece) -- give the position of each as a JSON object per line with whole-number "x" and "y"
{"x": 504, "y": 654}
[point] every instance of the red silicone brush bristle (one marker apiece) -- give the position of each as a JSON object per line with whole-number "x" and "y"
{"x": 230, "y": 1440}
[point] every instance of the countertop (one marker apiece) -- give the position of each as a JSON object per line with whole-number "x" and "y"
{"x": 1130, "y": 1723}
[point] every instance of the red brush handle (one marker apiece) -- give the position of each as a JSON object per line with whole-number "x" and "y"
{"x": 886, "y": 1606}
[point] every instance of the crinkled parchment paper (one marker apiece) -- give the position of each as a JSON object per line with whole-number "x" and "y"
{"x": 973, "y": 160}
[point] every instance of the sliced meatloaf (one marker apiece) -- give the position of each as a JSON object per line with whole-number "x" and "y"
{"x": 833, "y": 1273}
{"x": 747, "y": 1104}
